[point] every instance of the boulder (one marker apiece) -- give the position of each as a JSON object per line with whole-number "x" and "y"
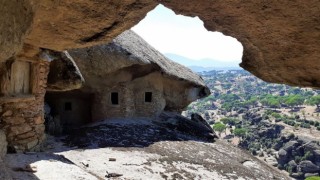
{"x": 308, "y": 167}
{"x": 64, "y": 74}
{"x": 271, "y": 161}
{"x": 289, "y": 146}
{"x": 283, "y": 156}
{"x": 316, "y": 154}
{"x": 293, "y": 165}
{"x": 297, "y": 175}
{"x": 197, "y": 118}
{"x": 311, "y": 146}
{"x": 199, "y": 129}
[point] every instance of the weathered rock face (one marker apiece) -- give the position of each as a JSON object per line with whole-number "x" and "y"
{"x": 61, "y": 25}
{"x": 15, "y": 22}
{"x": 3, "y": 144}
{"x": 130, "y": 68}
{"x": 64, "y": 74}
{"x": 280, "y": 39}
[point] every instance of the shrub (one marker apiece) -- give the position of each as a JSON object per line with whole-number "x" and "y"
{"x": 307, "y": 156}
{"x": 305, "y": 125}
{"x": 240, "y": 132}
{"x": 219, "y": 127}
{"x": 313, "y": 178}
{"x": 297, "y": 159}
{"x": 311, "y": 122}
{"x": 278, "y": 119}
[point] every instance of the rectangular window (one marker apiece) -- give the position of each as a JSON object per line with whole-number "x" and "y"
{"x": 114, "y": 98}
{"x": 148, "y": 97}
{"x": 68, "y": 106}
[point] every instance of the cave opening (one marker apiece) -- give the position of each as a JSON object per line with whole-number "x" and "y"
{"x": 186, "y": 41}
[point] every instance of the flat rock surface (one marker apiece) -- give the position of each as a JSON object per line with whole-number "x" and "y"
{"x": 147, "y": 156}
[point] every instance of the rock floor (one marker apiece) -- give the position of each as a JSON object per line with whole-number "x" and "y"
{"x": 138, "y": 150}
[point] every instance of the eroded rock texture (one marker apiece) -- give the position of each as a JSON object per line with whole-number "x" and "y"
{"x": 61, "y": 25}
{"x": 280, "y": 38}
{"x": 64, "y": 74}
{"x": 15, "y": 22}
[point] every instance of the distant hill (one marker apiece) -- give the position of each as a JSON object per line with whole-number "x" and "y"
{"x": 202, "y": 64}
{"x": 202, "y": 69}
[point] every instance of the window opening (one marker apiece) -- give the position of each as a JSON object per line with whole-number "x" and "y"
{"x": 68, "y": 106}
{"x": 148, "y": 97}
{"x": 114, "y": 98}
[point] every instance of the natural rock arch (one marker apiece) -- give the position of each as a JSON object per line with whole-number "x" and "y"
{"x": 280, "y": 39}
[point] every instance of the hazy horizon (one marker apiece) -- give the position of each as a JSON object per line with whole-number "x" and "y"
{"x": 187, "y": 37}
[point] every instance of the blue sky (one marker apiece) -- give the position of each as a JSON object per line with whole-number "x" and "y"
{"x": 186, "y": 36}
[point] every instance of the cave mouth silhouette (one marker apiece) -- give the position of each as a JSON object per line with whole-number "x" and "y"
{"x": 186, "y": 41}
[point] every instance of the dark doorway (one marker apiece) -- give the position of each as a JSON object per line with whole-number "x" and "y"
{"x": 148, "y": 97}
{"x": 68, "y": 110}
{"x": 114, "y": 98}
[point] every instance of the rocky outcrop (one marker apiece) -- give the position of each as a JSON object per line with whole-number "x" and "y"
{"x": 196, "y": 127}
{"x": 130, "y": 66}
{"x": 64, "y": 74}
{"x": 188, "y": 155}
{"x": 61, "y": 25}
{"x": 15, "y": 22}
{"x": 280, "y": 39}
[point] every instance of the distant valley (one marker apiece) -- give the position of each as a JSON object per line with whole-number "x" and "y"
{"x": 203, "y": 64}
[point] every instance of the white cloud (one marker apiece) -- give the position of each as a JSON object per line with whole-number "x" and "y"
{"x": 186, "y": 36}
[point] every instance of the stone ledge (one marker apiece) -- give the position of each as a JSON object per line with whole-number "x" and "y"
{"x": 17, "y": 98}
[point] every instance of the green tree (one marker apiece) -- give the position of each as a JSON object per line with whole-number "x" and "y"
{"x": 230, "y": 121}
{"x": 314, "y": 100}
{"x": 240, "y": 132}
{"x": 219, "y": 127}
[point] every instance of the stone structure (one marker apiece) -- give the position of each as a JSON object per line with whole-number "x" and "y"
{"x": 23, "y": 86}
{"x": 125, "y": 78}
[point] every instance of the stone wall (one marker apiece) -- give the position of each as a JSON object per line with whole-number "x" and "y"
{"x": 22, "y": 115}
{"x": 131, "y": 99}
